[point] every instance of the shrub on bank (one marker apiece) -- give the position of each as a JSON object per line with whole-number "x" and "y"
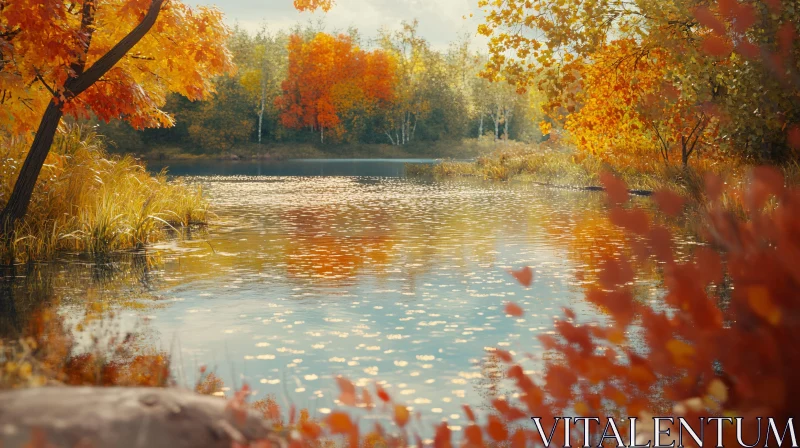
{"x": 88, "y": 201}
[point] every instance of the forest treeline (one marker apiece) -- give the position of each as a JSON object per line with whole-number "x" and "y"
{"x": 306, "y": 85}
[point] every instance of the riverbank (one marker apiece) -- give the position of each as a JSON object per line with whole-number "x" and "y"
{"x": 460, "y": 149}
{"x": 561, "y": 167}
{"x": 89, "y": 201}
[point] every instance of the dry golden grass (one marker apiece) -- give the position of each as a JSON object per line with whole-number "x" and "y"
{"x": 87, "y": 201}
{"x": 557, "y": 165}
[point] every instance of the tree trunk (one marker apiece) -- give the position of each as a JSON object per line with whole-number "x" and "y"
{"x": 263, "y": 106}
{"x": 480, "y": 128}
{"x": 403, "y": 127}
{"x": 18, "y": 202}
{"x": 506, "y": 119}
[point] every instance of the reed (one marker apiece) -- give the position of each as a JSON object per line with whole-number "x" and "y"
{"x": 89, "y": 201}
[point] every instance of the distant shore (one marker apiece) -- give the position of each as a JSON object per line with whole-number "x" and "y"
{"x": 461, "y": 149}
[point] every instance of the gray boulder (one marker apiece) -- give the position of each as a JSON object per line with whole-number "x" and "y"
{"x": 126, "y": 418}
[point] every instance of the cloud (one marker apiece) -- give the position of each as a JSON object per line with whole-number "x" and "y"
{"x": 440, "y": 21}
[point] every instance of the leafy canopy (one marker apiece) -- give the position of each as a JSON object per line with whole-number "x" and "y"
{"x": 43, "y": 44}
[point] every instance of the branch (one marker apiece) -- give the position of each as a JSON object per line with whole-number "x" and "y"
{"x": 696, "y": 137}
{"x": 664, "y": 149}
{"x": 87, "y": 20}
{"x": 49, "y": 89}
{"x": 8, "y": 35}
{"x": 76, "y": 86}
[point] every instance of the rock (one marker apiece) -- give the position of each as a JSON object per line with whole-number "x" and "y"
{"x": 126, "y": 418}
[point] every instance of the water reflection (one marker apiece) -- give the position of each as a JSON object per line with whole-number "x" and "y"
{"x": 392, "y": 280}
{"x": 305, "y": 167}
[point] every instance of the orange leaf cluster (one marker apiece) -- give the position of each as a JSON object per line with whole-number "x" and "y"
{"x": 45, "y": 44}
{"x": 329, "y": 75}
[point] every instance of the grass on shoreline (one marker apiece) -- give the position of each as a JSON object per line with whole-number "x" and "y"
{"x": 88, "y": 201}
{"x": 460, "y": 149}
{"x": 560, "y": 167}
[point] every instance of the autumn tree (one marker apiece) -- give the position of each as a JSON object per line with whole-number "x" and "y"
{"x": 413, "y": 55}
{"x": 632, "y": 114}
{"x": 113, "y": 59}
{"x": 263, "y": 67}
{"x": 328, "y": 78}
{"x": 553, "y": 45}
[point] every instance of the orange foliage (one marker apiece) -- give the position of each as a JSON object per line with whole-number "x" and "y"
{"x": 45, "y": 46}
{"x": 630, "y": 114}
{"x": 328, "y": 76}
{"x": 118, "y": 364}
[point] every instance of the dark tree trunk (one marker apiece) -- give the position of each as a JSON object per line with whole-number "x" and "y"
{"x": 17, "y": 204}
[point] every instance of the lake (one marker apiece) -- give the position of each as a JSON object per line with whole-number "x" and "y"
{"x": 322, "y": 268}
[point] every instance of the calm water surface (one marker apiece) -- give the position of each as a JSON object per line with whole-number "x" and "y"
{"x": 378, "y": 278}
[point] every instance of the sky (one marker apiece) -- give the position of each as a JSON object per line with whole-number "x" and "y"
{"x": 440, "y": 21}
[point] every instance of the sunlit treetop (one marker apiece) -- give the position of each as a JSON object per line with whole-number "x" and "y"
{"x": 311, "y": 5}
{"x": 46, "y": 47}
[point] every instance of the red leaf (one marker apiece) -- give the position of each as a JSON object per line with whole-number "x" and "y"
{"x": 748, "y": 49}
{"x": 514, "y": 309}
{"x": 716, "y": 46}
{"x": 728, "y": 8}
{"x": 774, "y": 5}
{"x": 310, "y": 430}
{"x": 366, "y": 398}
{"x": 524, "y": 276}
{"x": 709, "y": 265}
{"x": 709, "y": 20}
{"x": 770, "y": 177}
{"x": 382, "y": 394}
{"x": 470, "y": 414}
{"x": 634, "y": 220}
{"x": 474, "y": 435}
{"x": 669, "y": 202}
{"x": 786, "y": 37}
{"x": 511, "y": 414}
{"x": 616, "y": 188}
{"x": 348, "y": 391}
{"x": 745, "y": 18}
{"x": 615, "y": 272}
{"x": 443, "y": 437}
{"x": 496, "y": 429}
{"x": 339, "y": 423}
{"x": 518, "y": 439}
{"x": 661, "y": 243}
{"x": 713, "y": 186}
{"x": 503, "y": 355}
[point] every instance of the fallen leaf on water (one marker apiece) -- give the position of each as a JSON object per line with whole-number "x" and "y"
{"x": 514, "y": 309}
{"x": 524, "y": 276}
